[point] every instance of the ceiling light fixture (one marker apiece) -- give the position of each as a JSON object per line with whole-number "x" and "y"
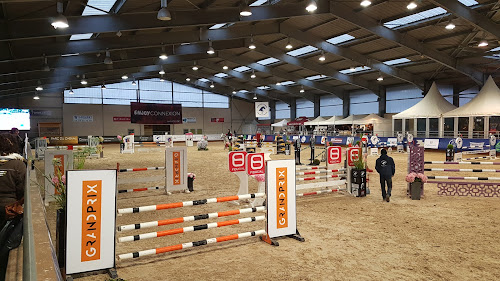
{"x": 163, "y": 13}
{"x": 83, "y": 81}
{"x": 288, "y": 44}
{"x": 163, "y": 55}
{"x": 210, "y": 50}
{"x": 245, "y": 10}
{"x": 103, "y": 86}
{"x": 380, "y": 78}
{"x": 161, "y": 78}
{"x": 46, "y": 66}
{"x": 39, "y": 86}
{"x": 482, "y": 43}
{"x": 36, "y": 97}
{"x": 252, "y": 45}
{"x": 125, "y": 77}
{"x": 195, "y": 67}
{"x": 107, "y": 59}
{"x": 278, "y": 83}
{"x": 71, "y": 90}
{"x": 352, "y": 68}
{"x": 134, "y": 83}
{"x": 60, "y": 21}
{"x": 322, "y": 57}
{"x": 312, "y": 6}
{"x": 253, "y": 74}
{"x": 188, "y": 79}
{"x": 302, "y": 89}
{"x": 412, "y": 5}
{"x": 225, "y": 67}
{"x": 234, "y": 92}
{"x": 450, "y": 25}
{"x": 212, "y": 85}
{"x": 255, "y": 96}
{"x": 365, "y": 3}
{"x": 161, "y": 72}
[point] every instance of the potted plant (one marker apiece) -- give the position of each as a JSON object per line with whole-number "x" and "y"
{"x": 416, "y": 181}
{"x": 358, "y": 177}
{"x": 450, "y": 153}
{"x": 191, "y": 177}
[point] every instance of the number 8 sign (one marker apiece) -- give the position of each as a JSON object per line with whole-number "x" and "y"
{"x": 353, "y": 154}
{"x": 237, "y": 161}
{"x": 334, "y": 154}
{"x": 255, "y": 164}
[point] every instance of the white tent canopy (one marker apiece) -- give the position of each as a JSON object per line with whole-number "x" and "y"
{"x": 330, "y": 121}
{"x": 349, "y": 120}
{"x": 281, "y": 123}
{"x": 370, "y": 119}
{"x": 315, "y": 122}
{"x": 432, "y": 105}
{"x": 485, "y": 103}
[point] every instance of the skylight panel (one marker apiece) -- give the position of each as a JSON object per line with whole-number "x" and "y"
{"x": 415, "y": 17}
{"x": 258, "y": 3}
{"x": 495, "y": 49}
{"x": 104, "y": 5}
{"x": 468, "y": 3}
{"x": 80, "y": 36}
{"x": 242, "y": 68}
{"x": 264, "y": 87}
{"x": 268, "y": 61}
{"x": 340, "y": 39}
{"x": 203, "y": 80}
{"x": 396, "y": 61}
{"x": 243, "y": 91}
{"x": 217, "y": 26}
{"x": 302, "y": 51}
{"x": 286, "y": 83}
{"x": 316, "y": 77}
{"x": 221, "y": 75}
{"x": 357, "y": 69}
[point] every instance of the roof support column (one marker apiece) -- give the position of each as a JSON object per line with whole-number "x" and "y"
{"x": 456, "y": 95}
{"x": 382, "y": 101}
{"x": 272, "y": 109}
{"x": 346, "y": 105}
{"x": 293, "y": 108}
{"x": 317, "y": 104}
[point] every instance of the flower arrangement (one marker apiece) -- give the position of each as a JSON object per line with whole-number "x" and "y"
{"x": 416, "y": 177}
{"x": 191, "y": 175}
{"x": 120, "y": 138}
{"x": 58, "y": 180}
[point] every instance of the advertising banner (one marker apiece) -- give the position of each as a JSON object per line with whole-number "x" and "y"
{"x": 90, "y": 223}
{"x": 83, "y": 118}
{"x": 121, "y": 119}
{"x": 176, "y": 168}
{"x": 280, "y": 192}
{"x": 150, "y": 113}
{"x": 63, "y": 140}
{"x": 262, "y": 109}
{"x": 217, "y": 120}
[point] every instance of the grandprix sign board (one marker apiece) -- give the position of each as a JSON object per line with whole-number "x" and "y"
{"x": 256, "y": 164}
{"x": 91, "y": 211}
{"x": 334, "y": 154}
{"x": 353, "y": 154}
{"x": 237, "y": 161}
{"x": 65, "y": 159}
{"x": 280, "y": 194}
{"x": 176, "y": 168}
{"x": 262, "y": 109}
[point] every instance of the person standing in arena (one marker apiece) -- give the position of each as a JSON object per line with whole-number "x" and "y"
{"x": 386, "y": 168}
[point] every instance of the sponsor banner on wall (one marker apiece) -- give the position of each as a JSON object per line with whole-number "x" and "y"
{"x": 431, "y": 143}
{"x": 90, "y": 223}
{"x": 150, "y": 113}
{"x": 41, "y": 113}
{"x": 121, "y": 119}
{"x": 262, "y": 109}
{"x": 217, "y": 120}
{"x": 63, "y": 140}
{"x": 189, "y": 120}
{"x": 83, "y": 118}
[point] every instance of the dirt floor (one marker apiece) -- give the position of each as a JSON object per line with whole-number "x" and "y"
{"x": 347, "y": 238}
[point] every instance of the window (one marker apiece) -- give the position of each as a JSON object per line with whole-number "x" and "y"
{"x": 478, "y": 131}
{"x": 282, "y": 110}
{"x": 398, "y": 125}
{"x": 363, "y": 102}
{"x": 494, "y": 125}
{"x": 268, "y": 61}
{"x": 305, "y": 108}
{"x": 103, "y": 6}
{"x": 242, "y": 68}
{"x": 316, "y": 77}
{"x": 396, "y": 61}
{"x": 302, "y": 51}
{"x": 433, "y": 127}
{"x": 356, "y": 69}
{"x": 340, "y": 39}
{"x": 463, "y": 126}
{"x": 91, "y": 95}
{"x": 401, "y": 98}
{"x": 415, "y": 17}
{"x": 421, "y": 127}
{"x": 330, "y": 106}
{"x": 449, "y": 127}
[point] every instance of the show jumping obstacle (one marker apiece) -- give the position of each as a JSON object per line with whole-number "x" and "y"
{"x": 41, "y": 145}
{"x": 475, "y": 187}
{"x": 139, "y": 179}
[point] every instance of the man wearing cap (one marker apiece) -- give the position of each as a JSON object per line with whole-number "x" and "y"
{"x": 386, "y": 169}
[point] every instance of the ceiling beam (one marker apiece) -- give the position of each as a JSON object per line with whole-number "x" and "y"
{"x": 284, "y": 75}
{"x": 342, "y": 11}
{"x": 40, "y": 28}
{"x": 469, "y": 15}
{"x": 102, "y": 44}
{"x": 233, "y": 84}
{"x": 242, "y": 76}
{"x": 323, "y": 69}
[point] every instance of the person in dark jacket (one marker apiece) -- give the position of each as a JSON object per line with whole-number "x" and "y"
{"x": 386, "y": 169}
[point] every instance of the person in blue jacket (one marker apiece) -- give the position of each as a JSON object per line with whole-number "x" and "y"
{"x": 386, "y": 168}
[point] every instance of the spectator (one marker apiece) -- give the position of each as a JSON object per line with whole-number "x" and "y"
{"x": 386, "y": 168}
{"x": 20, "y": 141}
